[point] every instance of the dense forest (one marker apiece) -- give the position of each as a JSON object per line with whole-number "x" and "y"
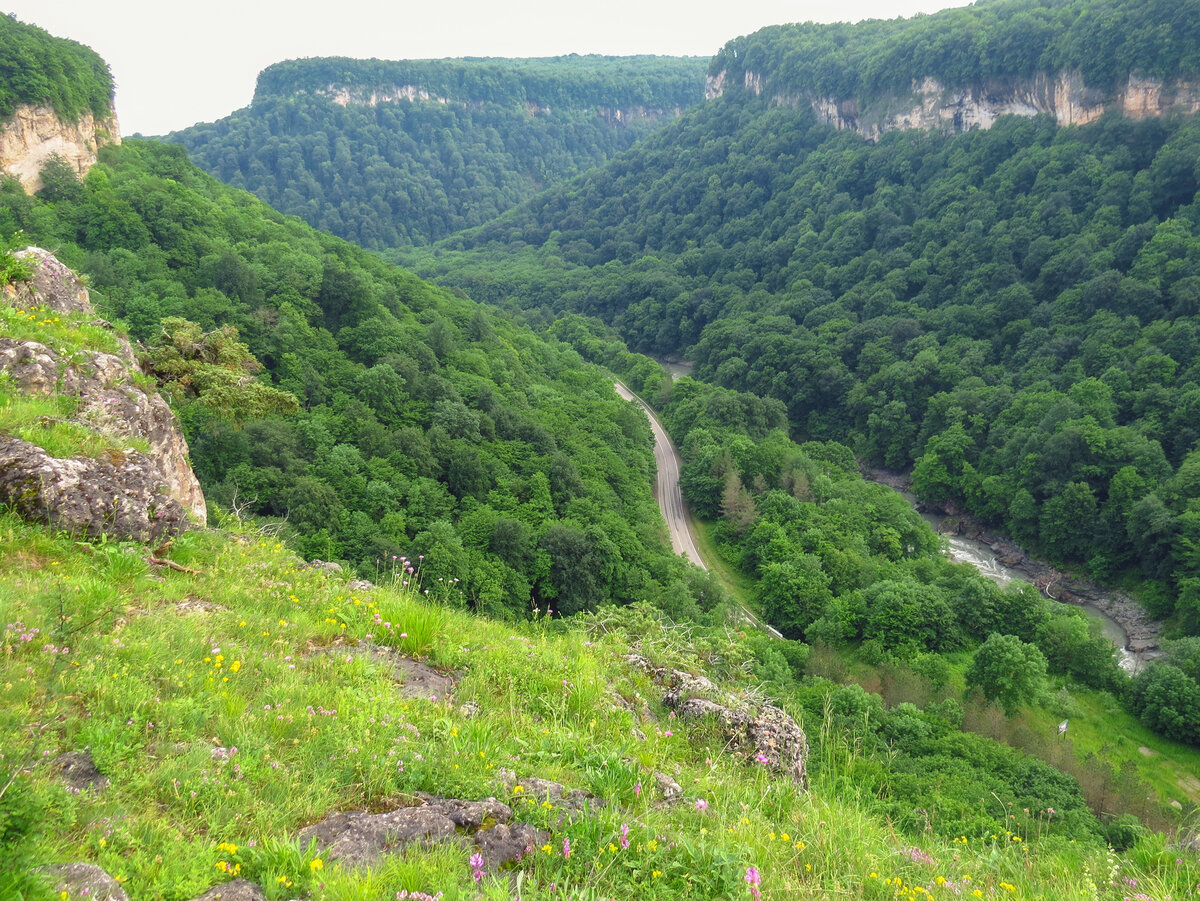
{"x": 1012, "y": 312}
{"x": 41, "y": 70}
{"x": 480, "y": 136}
{"x": 990, "y": 40}
{"x": 427, "y": 426}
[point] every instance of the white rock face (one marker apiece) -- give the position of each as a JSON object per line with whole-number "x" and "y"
{"x": 35, "y": 133}
{"x": 933, "y": 106}
{"x": 343, "y": 96}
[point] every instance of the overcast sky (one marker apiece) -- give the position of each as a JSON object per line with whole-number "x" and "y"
{"x": 178, "y": 63}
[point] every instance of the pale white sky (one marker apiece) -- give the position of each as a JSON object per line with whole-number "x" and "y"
{"x": 178, "y": 63}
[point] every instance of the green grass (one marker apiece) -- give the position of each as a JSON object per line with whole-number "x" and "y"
{"x": 738, "y": 584}
{"x": 46, "y": 420}
{"x": 61, "y": 332}
{"x": 163, "y": 668}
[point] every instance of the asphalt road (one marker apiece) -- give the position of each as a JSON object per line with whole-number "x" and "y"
{"x": 666, "y": 488}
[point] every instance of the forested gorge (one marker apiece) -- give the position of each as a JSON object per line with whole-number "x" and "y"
{"x": 1010, "y": 311}
{"x": 428, "y": 428}
{"x": 1011, "y": 314}
{"x": 477, "y": 138}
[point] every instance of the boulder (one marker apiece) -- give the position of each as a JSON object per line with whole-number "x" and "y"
{"x": 119, "y": 493}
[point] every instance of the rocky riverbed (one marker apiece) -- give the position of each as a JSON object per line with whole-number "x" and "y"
{"x": 1142, "y": 632}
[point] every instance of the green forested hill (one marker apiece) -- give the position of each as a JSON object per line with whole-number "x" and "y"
{"x": 40, "y": 69}
{"x": 1012, "y": 311}
{"x": 487, "y": 135}
{"x": 428, "y": 426}
{"x": 998, "y": 40}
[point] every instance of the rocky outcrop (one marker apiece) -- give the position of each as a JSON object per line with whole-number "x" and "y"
{"x": 762, "y": 733}
{"x": 933, "y": 106}
{"x": 35, "y": 133}
{"x": 118, "y": 494}
{"x": 361, "y": 96}
{"x": 358, "y": 838}
{"x": 615, "y": 115}
{"x": 124, "y": 492}
{"x": 345, "y": 96}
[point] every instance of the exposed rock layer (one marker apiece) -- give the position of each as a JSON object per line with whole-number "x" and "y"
{"x": 35, "y": 133}
{"x": 933, "y": 106}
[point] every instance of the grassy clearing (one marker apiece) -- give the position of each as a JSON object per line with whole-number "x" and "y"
{"x": 738, "y": 584}
{"x": 229, "y": 711}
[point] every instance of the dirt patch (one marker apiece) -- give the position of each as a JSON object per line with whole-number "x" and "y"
{"x": 194, "y": 604}
{"x": 1147, "y": 752}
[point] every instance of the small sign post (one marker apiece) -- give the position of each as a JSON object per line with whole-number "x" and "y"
{"x": 1062, "y": 727}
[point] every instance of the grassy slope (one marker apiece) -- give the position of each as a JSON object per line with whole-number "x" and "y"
{"x": 253, "y": 653}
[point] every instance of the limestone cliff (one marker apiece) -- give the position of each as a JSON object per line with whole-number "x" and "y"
{"x": 35, "y": 133}
{"x": 124, "y": 492}
{"x": 359, "y": 96}
{"x": 934, "y": 106}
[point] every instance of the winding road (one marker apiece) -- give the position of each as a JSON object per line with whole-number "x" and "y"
{"x": 670, "y": 500}
{"x": 666, "y": 488}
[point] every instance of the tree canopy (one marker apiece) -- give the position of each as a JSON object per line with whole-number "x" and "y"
{"x": 39, "y": 69}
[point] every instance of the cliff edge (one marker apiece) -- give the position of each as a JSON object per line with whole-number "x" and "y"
{"x": 933, "y": 106}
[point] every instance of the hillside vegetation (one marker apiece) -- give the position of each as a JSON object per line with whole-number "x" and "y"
{"x": 41, "y": 70}
{"x": 1009, "y": 311}
{"x": 477, "y": 138}
{"x": 230, "y": 708}
{"x": 427, "y": 426}
{"x": 993, "y": 40}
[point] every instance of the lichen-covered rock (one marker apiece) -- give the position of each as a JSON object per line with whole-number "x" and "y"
{"x": 764, "y": 734}
{"x": 358, "y": 838}
{"x": 119, "y": 494}
{"x": 508, "y": 842}
{"x": 86, "y": 880}
{"x": 111, "y": 403}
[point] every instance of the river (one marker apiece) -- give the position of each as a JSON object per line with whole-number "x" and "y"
{"x": 983, "y": 558}
{"x": 1121, "y": 619}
